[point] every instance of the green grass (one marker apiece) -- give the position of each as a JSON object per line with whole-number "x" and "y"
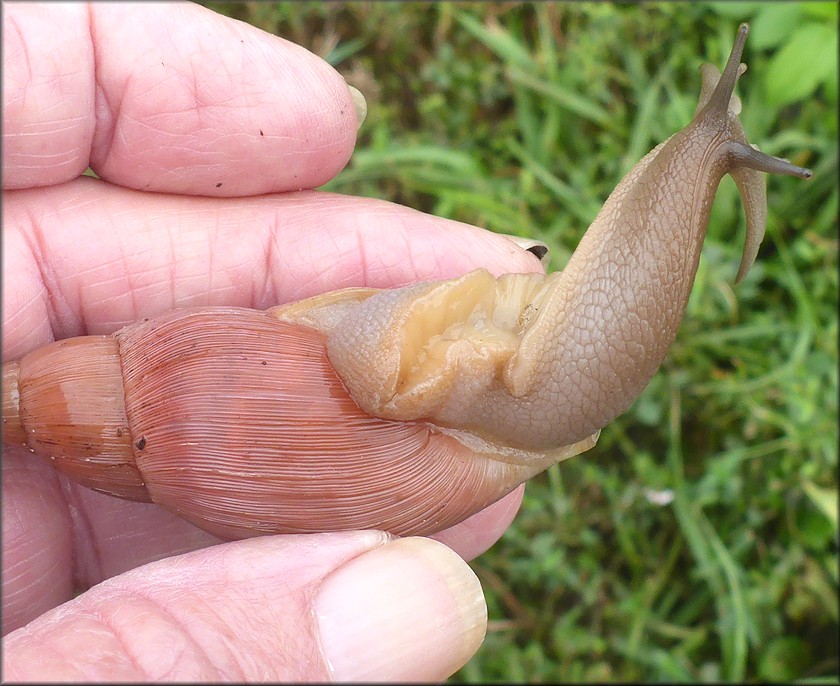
{"x": 521, "y": 118}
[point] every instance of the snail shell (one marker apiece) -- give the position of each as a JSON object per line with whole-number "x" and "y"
{"x": 237, "y": 422}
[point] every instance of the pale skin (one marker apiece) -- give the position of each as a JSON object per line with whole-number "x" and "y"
{"x": 156, "y": 99}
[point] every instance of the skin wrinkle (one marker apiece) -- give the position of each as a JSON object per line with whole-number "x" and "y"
{"x": 58, "y": 105}
{"x": 154, "y": 128}
{"x": 209, "y": 274}
{"x": 223, "y": 282}
{"x": 53, "y": 296}
{"x": 130, "y": 281}
{"x": 12, "y": 325}
{"x": 36, "y": 95}
{"x": 83, "y": 541}
{"x": 144, "y": 283}
{"x": 294, "y": 260}
{"x": 368, "y": 272}
{"x": 174, "y": 266}
{"x": 361, "y": 253}
{"x": 42, "y": 551}
{"x": 128, "y": 534}
{"x": 47, "y": 648}
{"x": 199, "y": 108}
{"x": 364, "y": 273}
{"x": 222, "y": 626}
{"x": 123, "y": 636}
{"x": 18, "y": 566}
{"x": 332, "y": 276}
{"x": 19, "y": 591}
{"x": 301, "y": 263}
{"x": 192, "y": 622}
{"x": 23, "y": 313}
{"x": 270, "y": 291}
{"x": 206, "y": 50}
{"x": 39, "y": 128}
{"x": 200, "y": 111}
{"x": 431, "y": 260}
{"x": 106, "y": 325}
{"x": 226, "y": 99}
{"x": 182, "y": 625}
{"x": 61, "y": 162}
{"x": 260, "y": 653}
{"x": 105, "y": 114}
{"x": 408, "y": 251}
{"x": 58, "y": 660}
{"x": 11, "y": 24}
{"x": 109, "y": 303}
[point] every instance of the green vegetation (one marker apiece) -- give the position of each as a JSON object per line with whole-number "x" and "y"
{"x": 699, "y": 539}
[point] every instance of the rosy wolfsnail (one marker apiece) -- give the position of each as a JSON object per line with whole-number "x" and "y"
{"x": 407, "y": 409}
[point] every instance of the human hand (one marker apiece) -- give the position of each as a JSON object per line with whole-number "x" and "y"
{"x": 225, "y": 123}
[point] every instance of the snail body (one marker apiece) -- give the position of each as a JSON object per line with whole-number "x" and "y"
{"x": 407, "y": 409}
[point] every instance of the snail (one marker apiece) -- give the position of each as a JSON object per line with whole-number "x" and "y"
{"x": 403, "y": 409}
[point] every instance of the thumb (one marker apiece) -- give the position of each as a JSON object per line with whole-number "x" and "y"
{"x": 350, "y": 606}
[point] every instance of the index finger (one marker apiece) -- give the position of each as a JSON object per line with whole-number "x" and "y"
{"x": 167, "y": 97}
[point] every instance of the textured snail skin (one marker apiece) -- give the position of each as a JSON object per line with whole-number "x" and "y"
{"x": 408, "y": 409}
{"x": 525, "y": 364}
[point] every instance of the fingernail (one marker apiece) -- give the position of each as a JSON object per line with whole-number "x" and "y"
{"x": 410, "y": 610}
{"x": 360, "y": 105}
{"x": 537, "y": 248}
